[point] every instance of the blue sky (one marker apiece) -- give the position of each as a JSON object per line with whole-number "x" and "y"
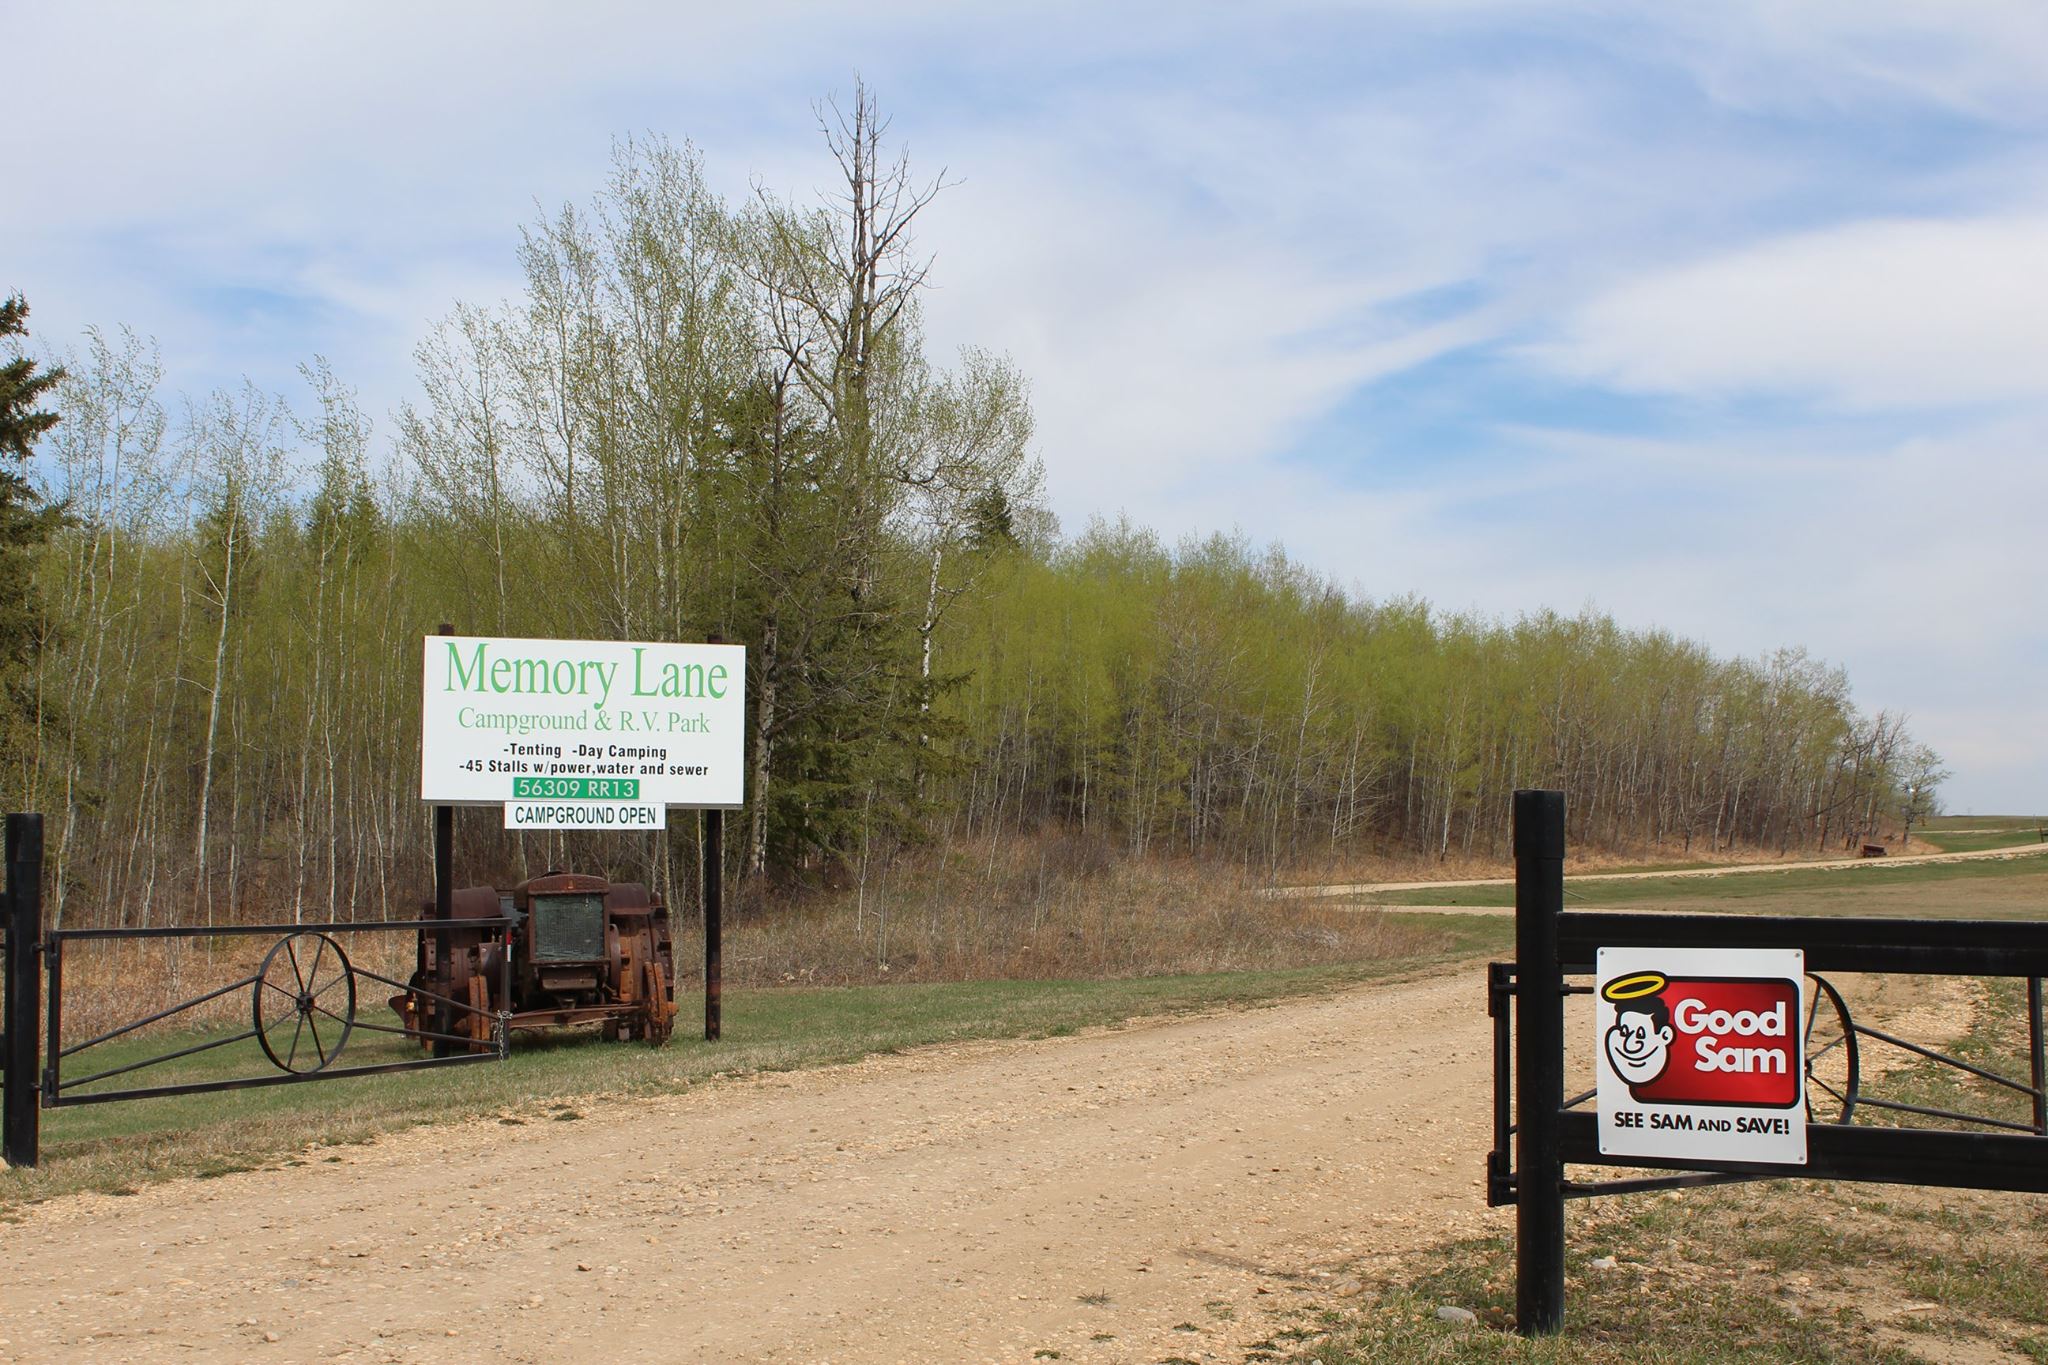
{"x": 1730, "y": 319}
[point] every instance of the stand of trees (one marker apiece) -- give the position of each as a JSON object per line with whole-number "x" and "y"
{"x": 1213, "y": 698}
{"x": 705, "y": 419}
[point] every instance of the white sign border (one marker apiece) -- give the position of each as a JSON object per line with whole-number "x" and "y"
{"x": 1787, "y": 1150}
{"x": 438, "y": 753}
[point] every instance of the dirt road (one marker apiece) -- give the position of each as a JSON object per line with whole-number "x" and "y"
{"x": 1167, "y": 1189}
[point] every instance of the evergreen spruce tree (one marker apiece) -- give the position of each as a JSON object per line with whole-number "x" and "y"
{"x": 25, "y": 522}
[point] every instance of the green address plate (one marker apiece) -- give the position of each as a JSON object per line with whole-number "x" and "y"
{"x": 575, "y": 789}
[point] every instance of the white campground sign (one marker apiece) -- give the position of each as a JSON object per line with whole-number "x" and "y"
{"x": 1699, "y": 1053}
{"x": 582, "y": 734}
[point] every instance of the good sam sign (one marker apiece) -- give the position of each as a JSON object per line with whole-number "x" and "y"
{"x": 582, "y": 734}
{"x": 1699, "y": 1054}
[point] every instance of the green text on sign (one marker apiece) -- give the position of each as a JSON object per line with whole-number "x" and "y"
{"x": 576, "y": 789}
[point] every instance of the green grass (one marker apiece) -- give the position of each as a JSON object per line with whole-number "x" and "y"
{"x": 1463, "y": 935}
{"x": 2018, "y": 822}
{"x": 1762, "y": 891}
{"x": 112, "y": 1147}
{"x": 1635, "y": 1312}
{"x": 1972, "y": 840}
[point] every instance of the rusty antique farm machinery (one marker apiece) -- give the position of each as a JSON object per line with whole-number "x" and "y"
{"x": 583, "y": 950}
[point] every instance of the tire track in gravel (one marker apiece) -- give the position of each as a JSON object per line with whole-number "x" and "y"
{"x": 1098, "y": 1196}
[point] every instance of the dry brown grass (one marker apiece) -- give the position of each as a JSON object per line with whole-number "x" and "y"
{"x": 108, "y": 983}
{"x": 1049, "y": 907}
{"x": 1412, "y": 865}
{"x": 1041, "y": 908}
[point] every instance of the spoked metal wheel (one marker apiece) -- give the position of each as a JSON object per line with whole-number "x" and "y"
{"x": 304, "y": 1002}
{"x": 1833, "y": 1065}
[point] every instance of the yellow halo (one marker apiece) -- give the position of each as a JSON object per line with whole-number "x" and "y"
{"x": 1634, "y": 987}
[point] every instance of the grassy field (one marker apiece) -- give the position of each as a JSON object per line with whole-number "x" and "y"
{"x": 1972, "y": 840}
{"x": 2028, "y": 823}
{"x": 1967, "y": 833}
{"x": 1795, "y": 1270}
{"x": 1987, "y": 888}
{"x": 112, "y": 1147}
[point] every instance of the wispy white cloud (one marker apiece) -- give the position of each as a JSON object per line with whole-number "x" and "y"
{"x": 1867, "y": 315}
{"x": 1985, "y": 59}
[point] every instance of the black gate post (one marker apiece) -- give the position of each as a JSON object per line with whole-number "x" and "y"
{"x": 714, "y": 923}
{"x": 1539, "y": 1063}
{"x": 19, "y": 1112}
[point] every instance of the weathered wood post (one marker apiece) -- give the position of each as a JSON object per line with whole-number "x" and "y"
{"x": 2037, "y": 1055}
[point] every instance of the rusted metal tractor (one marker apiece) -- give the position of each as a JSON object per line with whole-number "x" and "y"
{"x": 583, "y": 950}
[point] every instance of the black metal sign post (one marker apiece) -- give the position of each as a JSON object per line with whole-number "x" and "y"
{"x": 19, "y": 1112}
{"x": 1539, "y": 1064}
{"x": 444, "y": 851}
{"x": 714, "y": 923}
{"x": 714, "y": 912}
{"x": 1549, "y": 1131}
{"x": 444, "y": 860}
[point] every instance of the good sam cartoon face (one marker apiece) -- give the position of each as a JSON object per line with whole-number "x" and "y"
{"x": 1639, "y": 1040}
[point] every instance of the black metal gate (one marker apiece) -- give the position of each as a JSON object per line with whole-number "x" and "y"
{"x": 1539, "y": 1131}
{"x": 302, "y": 1003}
